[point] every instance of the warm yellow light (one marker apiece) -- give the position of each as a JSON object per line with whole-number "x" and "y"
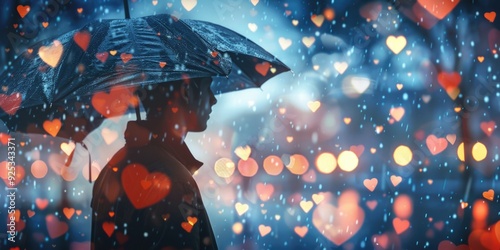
{"x": 461, "y": 152}
{"x": 479, "y": 151}
{"x": 326, "y": 163}
{"x": 348, "y": 161}
{"x": 273, "y": 165}
{"x": 224, "y": 167}
{"x": 298, "y": 164}
{"x": 237, "y": 227}
{"x": 402, "y": 155}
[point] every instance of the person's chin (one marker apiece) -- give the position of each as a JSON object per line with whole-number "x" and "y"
{"x": 200, "y": 128}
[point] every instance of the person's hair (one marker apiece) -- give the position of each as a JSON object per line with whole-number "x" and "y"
{"x": 155, "y": 97}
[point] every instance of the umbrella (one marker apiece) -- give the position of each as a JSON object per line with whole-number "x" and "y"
{"x": 58, "y": 79}
{"x": 66, "y": 86}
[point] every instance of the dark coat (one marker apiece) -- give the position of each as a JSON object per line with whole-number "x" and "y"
{"x": 146, "y": 198}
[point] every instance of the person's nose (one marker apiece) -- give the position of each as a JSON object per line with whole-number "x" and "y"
{"x": 213, "y": 100}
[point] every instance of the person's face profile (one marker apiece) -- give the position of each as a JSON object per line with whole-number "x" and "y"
{"x": 200, "y": 99}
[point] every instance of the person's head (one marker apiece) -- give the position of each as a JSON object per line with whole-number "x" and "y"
{"x": 182, "y": 105}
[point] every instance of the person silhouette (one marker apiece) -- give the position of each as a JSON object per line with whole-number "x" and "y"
{"x": 146, "y": 197}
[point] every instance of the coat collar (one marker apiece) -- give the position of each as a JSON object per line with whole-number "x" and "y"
{"x": 138, "y": 134}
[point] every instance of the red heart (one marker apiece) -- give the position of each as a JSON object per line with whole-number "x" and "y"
{"x": 10, "y": 103}
{"x": 263, "y": 68}
{"x": 23, "y": 10}
{"x": 133, "y": 178}
{"x": 439, "y": 9}
{"x": 488, "y": 127}
{"x": 108, "y": 227}
{"x": 41, "y": 203}
{"x": 55, "y": 227}
{"x": 187, "y": 226}
{"x": 102, "y": 56}
{"x": 82, "y": 38}
{"x": 113, "y": 104}
{"x": 449, "y": 81}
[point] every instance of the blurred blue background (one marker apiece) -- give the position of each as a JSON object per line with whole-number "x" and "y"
{"x": 384, "y": 135}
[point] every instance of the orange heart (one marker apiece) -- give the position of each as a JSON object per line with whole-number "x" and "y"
{"x": 317, "y": 20}
{"x": 490, "y": 16}
{"x": 265, "y": 191}
{"x": 45, "y": 24}
{"x": 51, "y": 54}
{"x": 397, "y": 113}
{"x": 395, "y": 180}
{"x": 41, "y": 203}
{"x": 55, "y": 227}
{"x": 439, "y": 9}
{"x": 113, "y": 104}
{"x": 489, "y": 195}
{"x": 264, "y": 230}
{"x": 102, "y": 56}
{"x": 4, "y": 174}
{"x": 82, "y": 39}
{"x": 52, "y": 127}
{"x": 23, "y": 10}
{"x": 301, "y": 231}
{"x": 349, "y": 218}
{"x": 436, "y": 145}
{"x": 162, "y": 64}
{"x": 108, "y": 227}
{"x": 192, "y": 220}
{"x": 125, "y": 57}
{"x": 10, "y": 103}
{"x": 141, "y": 197}
{"x": 79, "y": 10}
{"x": 488, "y": 127}
{"x": 68, "y": 212}
{"x": 263, "y": 68}
{"x": 400, "y": 225}
{"x": 370, "y": 184}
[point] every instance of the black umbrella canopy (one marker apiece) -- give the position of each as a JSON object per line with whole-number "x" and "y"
{"x": 69, "y": 70}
